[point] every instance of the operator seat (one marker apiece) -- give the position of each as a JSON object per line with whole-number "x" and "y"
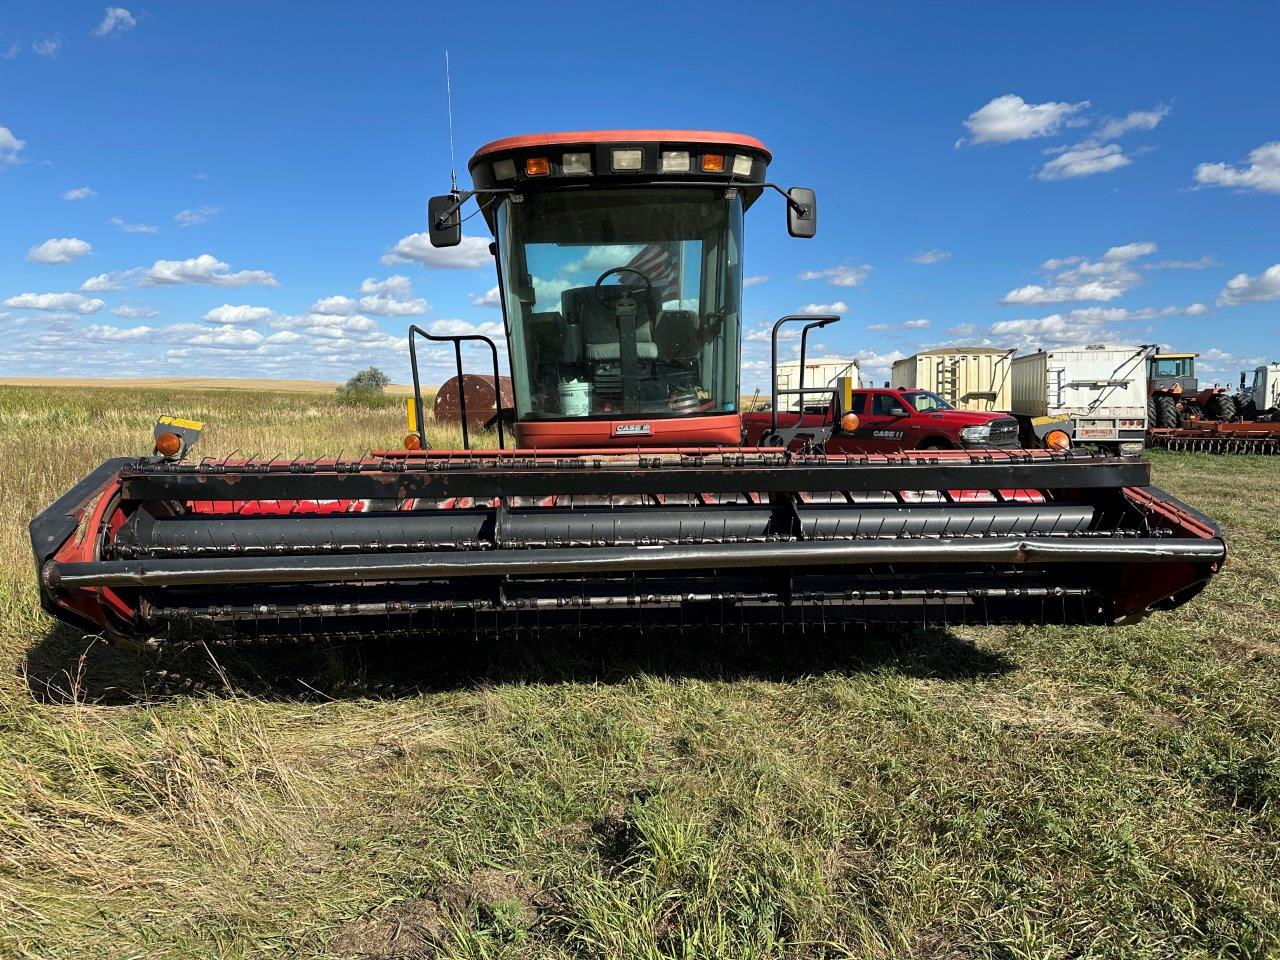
{"x": 600, "y": 334}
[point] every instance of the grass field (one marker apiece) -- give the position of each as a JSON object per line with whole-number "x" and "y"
{"x": 978, "y": 792}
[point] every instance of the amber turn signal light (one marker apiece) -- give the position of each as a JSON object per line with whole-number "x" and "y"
{"x": 168, "y": 445}
{"x": 713, "y": 163}
{"x": 849, "y": 422}
{"x": 413, "y": 442}
{"x": 537, "y": 167}
{"x": 1057, "y": 440}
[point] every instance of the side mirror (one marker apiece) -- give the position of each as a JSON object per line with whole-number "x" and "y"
{"x": 444, "y": 225}
{"x": 898, "y": 412}
{"x": 802, "y": 222}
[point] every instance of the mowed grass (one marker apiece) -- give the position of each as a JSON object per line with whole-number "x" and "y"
{"x": 934, "y": 793}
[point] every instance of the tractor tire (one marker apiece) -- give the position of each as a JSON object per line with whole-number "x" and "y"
{"x": 1153, "y": 413}
{"x": 1166, "y": 411}
{"x": 1221, "y": 407}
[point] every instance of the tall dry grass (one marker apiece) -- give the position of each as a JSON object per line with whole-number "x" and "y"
{"x": 1015, "y": 792}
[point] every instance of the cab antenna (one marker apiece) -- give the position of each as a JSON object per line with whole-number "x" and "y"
{"x": 448, "y": 92}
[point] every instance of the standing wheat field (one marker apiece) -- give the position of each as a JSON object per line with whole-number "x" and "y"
{"x": 921, "y": 792}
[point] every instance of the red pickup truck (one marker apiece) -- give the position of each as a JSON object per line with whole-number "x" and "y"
{"x": 891, "y": 419}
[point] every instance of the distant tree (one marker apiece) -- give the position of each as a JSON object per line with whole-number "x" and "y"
{"x": 365, "y": 388}
{"x": 369, "y": 380}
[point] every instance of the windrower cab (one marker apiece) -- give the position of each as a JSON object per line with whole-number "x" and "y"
{"x": 619, "y": 259}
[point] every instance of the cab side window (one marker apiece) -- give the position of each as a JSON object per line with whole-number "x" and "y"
{"x": 886, "y": 405}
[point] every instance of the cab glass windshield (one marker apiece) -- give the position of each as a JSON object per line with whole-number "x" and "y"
{"x": 1164, "y": 367}
{"x": 924, "y": 401}
{"x": 622, "y": 302}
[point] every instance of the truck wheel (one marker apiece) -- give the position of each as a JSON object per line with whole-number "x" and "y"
{"x": 1166, "y": 412}
{"x": 1221, "y": 407}
{"x": 934, "y": 443}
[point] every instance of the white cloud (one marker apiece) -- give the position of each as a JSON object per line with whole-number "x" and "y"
{"x": 1038, "y": 293}
{"x": 817, "y": 309}
{"x": 337, "y": 306}
{"x": 55, "y": 301}
{"x": 80, "y": 193}
{"x": 754, "y": 281}
{"x": 201, "y": 214}
{"x": 386, "y": 306}
{"x": 63, "y": 250}
{"x": 117, "y": 20}
{"x": 396, "y": 285}
{"x": 931, "y": 256}
{"x": 546, "y": 293}
{"x": 920, "y": 324}
{"x": 9, "y": 146}
{"x": 204, "y": 269}
{"x": 228, "y": 314}
{"x": 604, "y": 257}
{"x": 1129, "y": 251}
{"x": 963, "y": 330}
{"x": 103, "y": 283}
{"x": 457, "y": 328}
{"x": 844, "y": 275}
{"x": 490, "y": 298}
{"x": 1084, "y": 160}
{"x": 1243, "y": 288}
{"x": 112, "y": 334}
{"x": 1082, "y": 325}
{"x": 133, "y": 227}
{"x": 1203, "y": 263}
{"x": 1010, "y": 118}
{"x": 1134, "y": 120}
{"x": 1107, "y": 278}
{"x": 11, "y": 51}
{"x": 47, "y": 47}
{"x": 1262, "y": 173}
{"x": 1054, "y": 329}
{"x": 472, "y": 252}
{"x": 136, "y": 313}
{"x": 875, "y": 366}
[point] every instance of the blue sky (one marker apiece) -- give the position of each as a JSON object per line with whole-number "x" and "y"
{"x": 186, "y": 188}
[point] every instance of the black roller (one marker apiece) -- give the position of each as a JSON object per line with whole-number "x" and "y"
{"x": 209, "y": 535}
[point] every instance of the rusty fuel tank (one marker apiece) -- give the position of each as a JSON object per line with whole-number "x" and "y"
{"x": 480, "y": 401}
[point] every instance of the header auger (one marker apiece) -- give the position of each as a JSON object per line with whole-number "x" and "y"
{"x": 629, "y": 496}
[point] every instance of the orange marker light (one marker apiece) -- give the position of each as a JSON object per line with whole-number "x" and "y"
{"x": 413, "y": 442}
{"x": 713, "y": 163}
{"x": 168, "y": 445}
{"x": 537, "y": 166}
{"x": 1057, "y": 440}
{"x": 849, "y": 422}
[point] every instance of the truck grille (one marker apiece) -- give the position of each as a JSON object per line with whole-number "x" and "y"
{"x": 1004, "y": 433}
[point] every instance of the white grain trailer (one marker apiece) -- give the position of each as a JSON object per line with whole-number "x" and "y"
{"x": 971, "y": 378}
{"x": 818, "y": 372}
{"x": 1096, "y": 393}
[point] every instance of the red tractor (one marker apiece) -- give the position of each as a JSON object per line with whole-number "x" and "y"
{"x": 1174, "y": 395}
{"x": 630, "y": 497}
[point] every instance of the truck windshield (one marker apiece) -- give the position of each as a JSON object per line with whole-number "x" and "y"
{"x": 924, "y": 401}
{"x": 622, "y": 302}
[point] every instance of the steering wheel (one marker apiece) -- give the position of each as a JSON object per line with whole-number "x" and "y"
{"x": 607, "y": 298}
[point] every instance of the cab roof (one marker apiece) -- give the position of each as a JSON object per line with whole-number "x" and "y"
{"x": 709, "y": 137}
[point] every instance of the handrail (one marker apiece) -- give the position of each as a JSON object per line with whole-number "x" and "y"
{"x": 819, "y": 321}
{"x": 456, "y": 340}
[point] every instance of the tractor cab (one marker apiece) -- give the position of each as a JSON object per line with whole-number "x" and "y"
{"x": 1172, "y": 373}
{"x": 619, "y": 260}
